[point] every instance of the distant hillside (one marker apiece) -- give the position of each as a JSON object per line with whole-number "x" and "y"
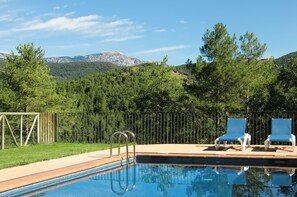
{"x": 184, "y": 69}
{"x": 117, "y": 58}
{"x": 142, "y": 88}
{"x": 76, "y": 70}
{"x": 285, "y": 58}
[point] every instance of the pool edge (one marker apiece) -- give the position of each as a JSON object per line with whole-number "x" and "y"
{"x": 52, "y": 174}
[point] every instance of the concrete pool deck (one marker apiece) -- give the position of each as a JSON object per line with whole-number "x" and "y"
{"x": 19, "y": 176}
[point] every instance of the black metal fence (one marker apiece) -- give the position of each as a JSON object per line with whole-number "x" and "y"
{"x": 162, "y": 128}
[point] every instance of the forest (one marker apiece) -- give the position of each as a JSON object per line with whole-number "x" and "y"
{"x": 230, "y": 75}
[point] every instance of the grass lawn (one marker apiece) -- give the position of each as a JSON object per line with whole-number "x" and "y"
{"x": 33, "y": 153}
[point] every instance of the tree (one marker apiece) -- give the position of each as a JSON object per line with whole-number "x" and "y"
{"x": 259, "y": 73}
{"x": 160, "y": 89}
{"x": 217, "y": 75}
{"x": 251, "y": 49}
{"x": 284, "y": 91}
{"x": 27, "y": 85}
{"x": 219, "y": 46}
{"x": 229, "y": 77}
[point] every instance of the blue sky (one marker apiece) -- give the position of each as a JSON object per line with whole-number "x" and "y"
{"x": 145, "y": 29}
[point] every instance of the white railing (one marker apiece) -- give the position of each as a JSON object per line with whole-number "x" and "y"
{"x": 5, "y": 121}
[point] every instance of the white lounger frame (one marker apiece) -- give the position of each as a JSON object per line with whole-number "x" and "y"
{"x": 247, "y": 139}
{"x": 292, "y": 140}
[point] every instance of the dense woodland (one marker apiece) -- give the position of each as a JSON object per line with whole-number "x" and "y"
{"x": 76, "y": 70}
{"x": 230, "y": 74}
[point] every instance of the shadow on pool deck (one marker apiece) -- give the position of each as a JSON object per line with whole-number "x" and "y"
{"x": 32, "y": 173}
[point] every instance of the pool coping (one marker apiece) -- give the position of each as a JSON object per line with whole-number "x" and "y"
{"x": 41, "y": 185}
{"x": 51, "y": 174}
{"x": 238, "y": 160}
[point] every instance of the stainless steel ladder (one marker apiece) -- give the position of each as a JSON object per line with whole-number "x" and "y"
{"x": 126, "y": 134}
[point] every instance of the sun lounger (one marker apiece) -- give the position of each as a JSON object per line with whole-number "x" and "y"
{"x": 281, "y": 131}
{"x": 235, "y": 132}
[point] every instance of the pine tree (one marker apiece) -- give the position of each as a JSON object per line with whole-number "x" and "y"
{"x": 217, "y": 73}
{"x": 27, "y": 85}
{"x": 258, "y": 75}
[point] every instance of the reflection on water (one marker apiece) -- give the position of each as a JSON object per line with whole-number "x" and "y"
{"x": 280, "y": 176}
{"x": 168, "y": 180}
{"x": 121, "y": 178}
{"x": 216, "y": 180}
{"x": 234, "y": 175}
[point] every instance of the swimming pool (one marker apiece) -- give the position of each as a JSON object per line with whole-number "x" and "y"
{"x": 180, "y": 180}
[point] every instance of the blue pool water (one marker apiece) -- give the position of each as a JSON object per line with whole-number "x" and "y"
{"x": 143, "y": 180}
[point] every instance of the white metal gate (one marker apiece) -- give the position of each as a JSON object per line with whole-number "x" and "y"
{"x": 5, "y": 122}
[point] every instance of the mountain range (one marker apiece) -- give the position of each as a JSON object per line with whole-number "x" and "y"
{"x": 117, "y": 58}
{"x": 3, "y": 55}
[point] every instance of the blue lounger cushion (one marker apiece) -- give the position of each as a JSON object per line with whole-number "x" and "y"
{"x": 230, "y": 137}
{"x": 280, "y": 138}
{"x": 236, "y": 128}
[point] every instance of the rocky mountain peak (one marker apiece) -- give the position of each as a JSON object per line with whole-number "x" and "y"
{"x": 116, "y": 57}
{"x": 3, "y": 55}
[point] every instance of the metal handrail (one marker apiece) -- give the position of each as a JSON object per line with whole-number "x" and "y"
{"x": 134, "y": 142}
{"x": 123, "y": 133}
{"x": 119, "y": 148}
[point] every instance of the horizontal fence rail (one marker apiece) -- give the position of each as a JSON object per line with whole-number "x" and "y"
{"x": 161, "y": 128}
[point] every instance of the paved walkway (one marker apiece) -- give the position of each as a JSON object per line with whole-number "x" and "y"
{"x": 23, "y": 175}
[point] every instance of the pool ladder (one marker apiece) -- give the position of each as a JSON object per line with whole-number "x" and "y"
{"x": 126, "y": 135}
{"x": 121, "y": 189}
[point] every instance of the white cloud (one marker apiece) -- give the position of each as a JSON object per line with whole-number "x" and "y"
{"x": 62, "y": 23}
{"x": 113, "y": 30}
{"x": 122, "y": 39}
{"x": 6, "y": 18}
{"x": 165, "y": 49}
{"x": 69, "y": 14}
{"x": 60, "y": 7}
{"x": 57, "y": 8}
{"x": 183, "y": 22}
{"x": 160, "y": 30}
